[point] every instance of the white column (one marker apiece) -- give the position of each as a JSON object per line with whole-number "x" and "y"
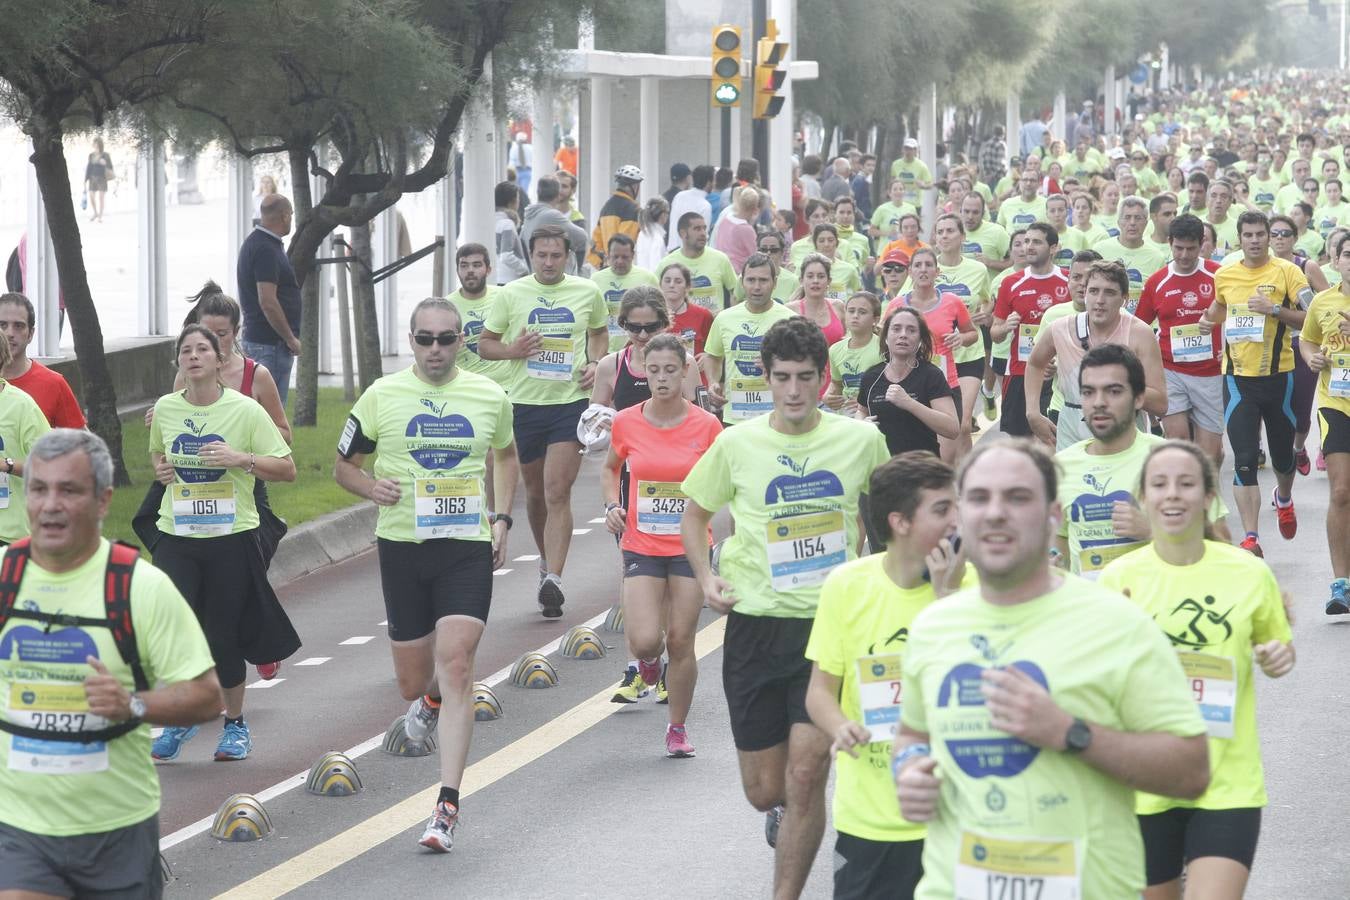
{"x": 41, "y": 283}
{"x": 1165, "y": 73}
{"x": 1340, "y": 50}
{"x": 1012, "y": 123}
{"x": 735, "y": 131}
{"x": 1058, "y": 125}
{"x": 480, "y": 167}
{"x": 599, "y": 172}
{"x": 781, "y": 127}
{"x": 543, "y": 145}
{"x": 384, "y": 250}
{"x": 238, "y": 216}
{"x": 928, "y": 148}
{"x": 445, "y": 227}
{"x": 152, "y": 310}
{"x": 317, "y": 186}
{"x": 1109, "y": 101}
{"x": 649, "y": 131}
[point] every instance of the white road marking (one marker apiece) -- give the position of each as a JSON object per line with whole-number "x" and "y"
{"x": 599, "y": 521}
{"x": 359, "y": 639}
{"x": 503, "y": 571}
{"x": 529, "y": 557}
{"x": 576, "y": 531}
{"x": 314, "y": 661}
{"x": 262, "y": 685}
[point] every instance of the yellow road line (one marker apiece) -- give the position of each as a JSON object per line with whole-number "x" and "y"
{"x": 323, "y": 858}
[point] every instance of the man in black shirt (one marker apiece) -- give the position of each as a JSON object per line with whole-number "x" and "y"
{"x": 269, "y": 294}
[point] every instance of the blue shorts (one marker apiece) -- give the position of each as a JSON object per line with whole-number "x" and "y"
{"x": 538, "y": 426}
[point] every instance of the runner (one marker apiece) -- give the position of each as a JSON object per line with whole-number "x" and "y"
{"x": 1325, "y": 346}
{"x": 792, "y": 479}
{"x": 857, "y": 642}
{"x": 844, "y": 278}
{"x": 208, "y": 444}
{"x": 21, "y": 424}
{"x": 894, "y": 275}
{"x": 617, "y": 277}
{"x": 1175, "y": 297}
{"x": 885, "y": 221}
{"x": 653, "y": 445}
{"x": 996, "y": 368}
{"x": 1027, "y": 207}
{"x": 1102, "y": 520}
{"x": 1084, "y": 219}
{"x": 968, "y": 279}
{"x": 816, "y": 303}
{"x": 554, "y": 329}
{"x": 1258, "y": 302}
{"x": 785, "y": 284}
{"x": 51, "y": 391}
{"x": 908, "y": 396}
{"x": 855, "y": 353}
{"x": 1141, "y": 258}
{"x": 984, "y": 241}
{"x": 473, "y": 301}
{"x": 1068, "y": 337}
{"x": 690, "y": 322}
{"x": 712, "y": 279}
{"x": 1078, "y": 272}
{"x": 433, "y": 426}
{"x": 1071, "y": 240}
{"x": 732, "y": 364}
{"x": 1029, "y": 668}
{"x": 81, "y": 810}
{"x": 1221, "y": 610}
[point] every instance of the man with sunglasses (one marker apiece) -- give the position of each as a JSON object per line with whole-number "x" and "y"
{"x": 773, "y": 245}
{"x": 731, "y": 355}
{"x": 434, "y": 425}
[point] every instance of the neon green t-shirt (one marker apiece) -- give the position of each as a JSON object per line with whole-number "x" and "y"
{"x": 844, "y": 279}
{"x": 1004, "y": 801}
{"x": 854, "y": 247}
{"x": 990, "y": 240}
{"x": 21, "y": 424}
{"x": 886, "y": 218}
{"x": 1071, "y": 240}
{"x": 1328, "y": 217}
{"x": 1089, "y": 488}
{"x": 1226, "y": 232}
{"x": 1015, "y": 213}
{"x": 1107, "y": 222}
{"x": 847, "y": 364}
{"x": 783, "y": 289}
{"x": 1213, "y": 612}
{"x": 913, "y": 173}
{"x": 61, "y": 788}
{"x": 1083, "y": 169}
{"x": 1139, "y": 262}
{"x": 434, "y": 441}
{"x": 562, "y": 314}
{"x": 1263, "y": 192}
{"x": 859, "y": 636}
{"x": 735, "y": 336}
{"x": 712, "y": 275}
{"x": 1286, "y": 197}
{"x": 206, "y": 502}
{"x": 614, "y": 287}
{"x": 1148, "y": 181}
{"x": 474, "y": 313}
{"x": 794, "y": 499}
{"x": 1311, "y": 243}
{"x": 968, "y": 280}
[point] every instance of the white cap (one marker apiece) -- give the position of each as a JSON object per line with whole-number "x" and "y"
{"x": 911, "y": 142}
{"x": 1115, "y": 153}
{"x": 522, "y": 136}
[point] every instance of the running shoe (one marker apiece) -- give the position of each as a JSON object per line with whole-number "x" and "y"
{"x": 650, "y": 671}
{"x": 551, "y": 597}
{"x": 235, "y": 742}
{"x": 1339, "y": 604}
{"x": 421, "y": 719}
{"x": 1302, "y": 464}
{"x": 631, "y": 689}
{"x": 773, "y": 819}
{"x": 662, "y": 695}
{"x": 1286, "y": 516}
{"x": 440, "y": 831}
{"x": 170, "y": 742}
{"x": 1260, "y": 457}
{"x": 268, "y": 671}
{"x": 677, "y": 743}
{"x": 1321, "y": 461}
{"x": 1252, "y": 546}
{"x": 990, "y": 409}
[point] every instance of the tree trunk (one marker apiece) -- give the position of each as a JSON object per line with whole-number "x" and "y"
{"x": 100, "y": 397}
{"x": 307, "y": 373}
{"x": 367, "y": 326}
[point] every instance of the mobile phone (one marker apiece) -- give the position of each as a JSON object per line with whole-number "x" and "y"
{"x": 956, "y": 548}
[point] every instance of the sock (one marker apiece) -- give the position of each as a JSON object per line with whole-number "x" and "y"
{"x": 653, "y": 661}
{"x": 633, "y": 664}
{"x": 433, "y": 702}
{"x": 449, "y": 795}
{"x": 674, "y": 726}
{"x": 988, "y": 392}
{"x": 1280, "y": 502}
{"x": 236, "y": 721}
{"x": 1252, "y": 534}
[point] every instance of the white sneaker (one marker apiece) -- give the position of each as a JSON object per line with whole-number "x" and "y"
{"x": 421, "y": 719}
{"x": 440, "y": 831}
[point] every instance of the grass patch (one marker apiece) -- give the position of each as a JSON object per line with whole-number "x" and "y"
{"x": 312, "y": 494}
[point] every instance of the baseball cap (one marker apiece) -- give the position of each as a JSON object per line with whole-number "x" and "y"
{"x": 896, "y": 256}
{"x": 679, "y": 172}
{"x": 911, "y": 142}
{"x": 1115, "y": 153}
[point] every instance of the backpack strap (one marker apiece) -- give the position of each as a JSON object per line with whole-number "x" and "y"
{"x": 1081, "y": 326}
{"x": 117, "y": 603}
{"x": 11, "y": 574}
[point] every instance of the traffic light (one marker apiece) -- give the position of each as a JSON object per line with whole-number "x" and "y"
{"x": 726, "y": 66}
{"x": 769, "y": 78}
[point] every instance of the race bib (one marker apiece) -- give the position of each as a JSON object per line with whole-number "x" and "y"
{"x": 1091, "y": 560}
{"x": 995, "y": 869}
{"x": 447, "y": 508}
{"x": 804, "y": 548}
{"x": 940, "y": 362}
{"x": 660, "y": 506}
{"x": 204, "y": 508}
{"x": 1213, "y": 682}
{"x": 552, "y": 361}
{"x": 879, "y": 694}
{"x": 1026, "y": 340}
{"x": 1191, "y": 343}
{"x": 615, "y": 329}
{"x": 4, "y": 490}
{"x": 54, "y": 706}
{"x": 1243, "y": 326}
{"x": 747, "y": 398}
{"x": 1338, "y": 385}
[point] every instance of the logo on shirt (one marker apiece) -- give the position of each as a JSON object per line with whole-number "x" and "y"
{"x": 1044, "y": 302}
{"x": 899, "y": 637}
{"x": 1206, "y": 288}
{"x": 188, "y": 444}
{"x": 1202, "y": 614}
{"x": 801, "y": 484}
{"x": 979, "y": 749}
{"x": 438, "y": 441}
{"x": 1189, "y": 299}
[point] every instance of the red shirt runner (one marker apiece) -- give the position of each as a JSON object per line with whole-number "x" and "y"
{"x": 1178, "y": 302}
{"x": 1029, "y": 296}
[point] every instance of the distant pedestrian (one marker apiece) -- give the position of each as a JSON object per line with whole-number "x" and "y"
{"x": 98, "y": 171}
{"x": 270, "y": 294}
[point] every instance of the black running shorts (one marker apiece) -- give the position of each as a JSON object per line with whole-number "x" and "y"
{"x": 764, "y": 673}
{"x": 1175, "y": 837}
{"x": 423, "y": 583}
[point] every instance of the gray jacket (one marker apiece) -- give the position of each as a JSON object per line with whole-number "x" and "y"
{"x": 537, "y": 214}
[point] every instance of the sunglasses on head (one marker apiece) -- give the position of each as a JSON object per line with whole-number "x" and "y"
{"x": 1281, "y": 232}
{"x": 649, "y": 328}
{"x": 445, "y": 340}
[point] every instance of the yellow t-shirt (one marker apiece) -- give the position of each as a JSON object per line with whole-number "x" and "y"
{"x": 1254, "y": 344}
{"x": 1322, "y": 327}
{"x": 21, "y": 424}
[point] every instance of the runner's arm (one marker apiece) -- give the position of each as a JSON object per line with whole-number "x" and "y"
{"x": 940, "y": 417}
{"x": 350, "y": 475}
{"x": 491, "y": 345}
{"x": 822, "y": 704}
{"x": 190, "y": 702}
{"x": 1033, "y": 380}
{"x": 265, "y": 392}
{"x": 1155, "y": 382}
{"x": 602, "y": 391}
{"x": 712, "y": 371}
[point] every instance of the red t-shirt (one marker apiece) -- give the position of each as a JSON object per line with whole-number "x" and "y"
{"x": 1180, "y": 300}
{"x": 948, "y": 316}
{"x": 53, "y": 395}
{"x": 692, "y": 327}
{"x": 658, "y": 460}
{"x": 1029, "y": 295}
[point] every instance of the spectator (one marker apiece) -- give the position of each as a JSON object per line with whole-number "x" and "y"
{"x": 552, "y": 210}
{"x": 836, "y": 183}
{"x": 520, "y": 156}
{"x": 693, "y": 199}
{"x": 680, "y": 180}
{"x": 98, "y": 171}
{"x": 566, "y": 157}
{"x": 809, "y": 179}
{"x": 720, "y": 196}
{"x": 511, "y": 262}
{"x": 861, "y": 183}
{"x": 619, "y": 215}
{"x": 993, "y": 158}
{"x": 48, "y": 388}
{"x": 269, "y": 293}
{"x": 736, "y": 235}
{"x": 651, "y": 240}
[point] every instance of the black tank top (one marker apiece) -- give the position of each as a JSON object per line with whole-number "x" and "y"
{"x": 629, "y": 389}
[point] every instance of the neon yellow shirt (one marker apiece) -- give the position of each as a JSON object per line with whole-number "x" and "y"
{"x": 21, "y": 424}
{"x": 989, "y": 240}
{"x": 1250, "y": 340}
{"x": 847, "y": 364}
{"x": 1322, "y": 327}
{"x": 614, "y": 287}
{"x": 473, "y": 313}
{"x": 886, "y": 218}
{"x": 913, "y": 173}
{"x": 1015, "y": 213}
{"x": 1139, "y": 263}
{"x": 712, "y": 274}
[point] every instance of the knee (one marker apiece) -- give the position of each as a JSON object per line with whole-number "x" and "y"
{"x": 410, "y": 688}
{"x": 558, "y": 493}
{"x": 454, "y": 672}
{"x": 764, "y": 795}
{"x": 1339, "y": 498}
{"x": 807, "y": 775}
{"x": 645, "y": 646}
{"x": 679, "y": 644}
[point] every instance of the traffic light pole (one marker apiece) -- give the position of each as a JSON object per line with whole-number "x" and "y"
{"x": 759, "y": 128}
{"x": 726, "y": 137}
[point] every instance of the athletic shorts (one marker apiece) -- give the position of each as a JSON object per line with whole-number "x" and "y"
{"x": 1175, "y": 837}
{"x": 999, "y": 364}
{"x": 423, "y": 583}
{"x": 1335, "y": 430}
{"x": 538, "y": 426}
{"x": 122, "y": 864}
{"x": 876, "y": 870}
{"x": 1012, "y": 418}
{"x": 1250, "y": 403}
{"x": 764, "y": 674}
{"x": 641, "y": 565}
{"x": 971, "y": 369}
{"x": 956, "y": 399}
{"x": 1199, "y": 395}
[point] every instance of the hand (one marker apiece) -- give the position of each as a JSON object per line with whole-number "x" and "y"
{"x": 219, "y": 453}
{"x": 1128, "y": 521}
{"x": 588, "y": 375}
{"x": 1259, "y": 304}
{"x": 293, "y": 345}
{"x": 386, "y": 492}
{"x": 1022, "y": 708}
{"x": 851, "y": 409}
{"x": 982, "y": 319}
{"x": 715, "y": 395}
{"x": 164, "y": 473}
{"x": 1043, "y": 428}
{"x": 149, "y": 417}
{"x": 1013, "y": 320}
{"x": 1276, "y": 658}
{"x": 499, "y": 532}
{"x": 1344, "y": 324}
{"x": 107, "y": 698}
{"x": 526, "y": 344}
{"x": 917, "y": 788}
{"x": 1318, "y": 361}
{"x": 1052, "y": 369}
{"x": 848, "y": 736}
{"x": 719, "y": 594}
{"x": 899, "y": 397}
{"x": 945, "y": 568}
{"x": 1206, "y": 323}
{"x": 616, "y": 519}
{"x": 952, "y": 340}
{"x": 833, "y": 401}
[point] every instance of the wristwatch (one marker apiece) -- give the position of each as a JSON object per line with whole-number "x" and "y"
{"x": 137, "y": 706}
{"x": 501, "y": 517}
{"x": 1078, "y": 738}
{"x": 9, "y": 465}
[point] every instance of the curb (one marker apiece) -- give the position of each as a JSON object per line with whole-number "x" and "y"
{"x": 331, "y": 538}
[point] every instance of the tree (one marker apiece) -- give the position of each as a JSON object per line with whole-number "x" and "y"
{"x": 68, "y": 65}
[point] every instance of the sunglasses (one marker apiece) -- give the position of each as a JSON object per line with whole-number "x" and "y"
{"x": 445, "y": 340}
{"x": 1281, "y": 233}
{"x": 649, "y": 328}
{"x": 893, "y": 267}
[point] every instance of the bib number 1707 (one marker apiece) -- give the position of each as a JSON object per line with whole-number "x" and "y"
{"x": 1013, "y": 887}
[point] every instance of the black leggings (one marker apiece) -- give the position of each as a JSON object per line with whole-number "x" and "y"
{"x": 1248, "y": 402}
{"x": 213, "y": 576}
{"x": 1305, "y": 387}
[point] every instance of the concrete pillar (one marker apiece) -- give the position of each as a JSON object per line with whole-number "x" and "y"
{"x": 736, "y": 118}
{"x": 599, "y": 171}
{"x": 238, "y": 216}
{"x": 1012, "y": 123}
{"x": 1109, "y": 101}
{"x": 41, "y": 283}
{"x": 928, "y": 149}
{"x": 1058, "y": 124}
{"x": 445, "y": 227}
{"x": 1165, "y": 73}
{"x": 649, "y": 137}
{"x": 544, "y": 147}
{"x": 383, "y": 251}
{"x": 152, "y": 310}
{"x": 317, "y": 186}
{"x": 782, "y": 126}
{"x": 480, "y": 166}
